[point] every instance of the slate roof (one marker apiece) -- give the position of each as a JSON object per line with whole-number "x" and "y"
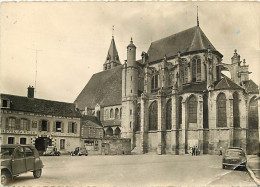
{"x": 194, "y": 87}
{"x": 93, "y": 119}
{"x": 226, "y": 84}
{"x": 251, "y": 87}
{"x": 104, "y": 88}
{"x": 189, "y": 40}
{"x": 111, "y": 123}
{"x": 41, "y": 106}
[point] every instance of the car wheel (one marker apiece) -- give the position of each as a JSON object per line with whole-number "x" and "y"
{"x": 37, "y": 173}
{"x": 223, "y": 166}
{"x": 5, "y": 178}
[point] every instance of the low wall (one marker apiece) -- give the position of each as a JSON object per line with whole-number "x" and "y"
{"x": 116, "y": 146}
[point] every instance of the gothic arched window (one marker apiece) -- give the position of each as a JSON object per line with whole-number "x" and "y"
{"x": 192, "y": 109}
{"x": 179, "y": 112}
{"x": 169, "y": 115}
{"x": 253, "y": 114}
{"x": 236, "y": 120}
{"x": 221, "y": 111}
{"x": 154, "y": 83}
{"x": 117, "y": 113}
{"x": 117, "y": 132}
{"x": 193, "y": 70}
{"x": 196, "y": 69}
{"x": 153, "y": 116}
{"x": 182, "y": 72}
{"x": 109, "y": 131}
{"x": 111, "y": 113}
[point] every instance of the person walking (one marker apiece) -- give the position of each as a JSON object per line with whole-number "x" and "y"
{"x": 193, "y": 151}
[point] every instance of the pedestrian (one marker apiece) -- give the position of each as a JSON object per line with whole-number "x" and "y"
{"x": 196, "y": 151}
{"x": 193, "y": 151}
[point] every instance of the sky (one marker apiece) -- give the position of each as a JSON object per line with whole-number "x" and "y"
{"x": 70, "y": 40}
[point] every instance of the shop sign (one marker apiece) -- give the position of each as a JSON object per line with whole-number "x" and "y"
{"x": 62, "y": 134}
{"x": 18, "y": 132}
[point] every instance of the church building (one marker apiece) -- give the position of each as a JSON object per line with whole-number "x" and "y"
{"x": 175, "y": 97}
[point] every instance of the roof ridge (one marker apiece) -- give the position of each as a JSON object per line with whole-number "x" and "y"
{"x": 35, "y": 98}
{"x": 226, "y": 81}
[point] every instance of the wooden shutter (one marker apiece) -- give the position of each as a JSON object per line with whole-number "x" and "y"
{"x": 17, "y": 124}
{"x": 6, "y": 123}
{"x": 54, "y": 127}
{"x": 70, "y": 127}
{"x": 62, "y": 126}
{"x": 48, "y": 126}
{"x": 75, "y": 128}
{"x": 28, "y": 124}
{"x": 40, "y": 125}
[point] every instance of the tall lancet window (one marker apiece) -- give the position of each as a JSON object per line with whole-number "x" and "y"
{"x": 196, "y": 69}
{"x": 169, "y": 115}
{"x": 138, "y": 116}
{"x": 221, "y": 111}
{"x": 153, "y": 116}
{"x": 192, "y": 109}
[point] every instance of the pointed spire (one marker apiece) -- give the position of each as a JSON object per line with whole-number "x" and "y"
{"x": 198, "y": 23}
{"x": 113, "y": 30}
{"x": 112, "y": 59}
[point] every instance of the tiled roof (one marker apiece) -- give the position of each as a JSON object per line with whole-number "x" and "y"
{"x": 104, "y": 88}
{"x": 189, "y": 40}
{"x": 251, "y": 87}
{"x": 41, "y": 106}
{"x": 93, "y": 119}
{"x": 111, "y": 123}
{"x": 226, "y": 84}
{"x": 194, "y": 87}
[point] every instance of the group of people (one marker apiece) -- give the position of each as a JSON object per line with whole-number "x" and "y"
{"x": 195, "y": 151}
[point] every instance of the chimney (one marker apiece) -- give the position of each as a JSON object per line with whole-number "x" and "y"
{"x": 30, "y": 93}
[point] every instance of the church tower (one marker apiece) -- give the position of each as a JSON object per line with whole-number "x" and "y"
{"x": 129, "y": 93}
{"x": 112, "y": 59}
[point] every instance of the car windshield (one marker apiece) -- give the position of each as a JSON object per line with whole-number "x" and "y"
{"x": 234, "y": 153}
{"x": 6, "y": 152}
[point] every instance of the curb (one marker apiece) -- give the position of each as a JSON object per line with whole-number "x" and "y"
{"x": 252, "y": 175}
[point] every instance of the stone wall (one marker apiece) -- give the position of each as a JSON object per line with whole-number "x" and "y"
{"x": 116, "y": 146}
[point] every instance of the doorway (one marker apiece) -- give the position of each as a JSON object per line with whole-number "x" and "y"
{"x": 42, "y": 143}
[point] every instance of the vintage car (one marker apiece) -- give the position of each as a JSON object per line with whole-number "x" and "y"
{"x": 79, "y": 151}
{"x": 51, "y": 151}
{"x": 233, "y": 158}
{"x": 18, "y": 159}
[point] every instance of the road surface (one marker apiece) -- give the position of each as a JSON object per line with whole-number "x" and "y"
{"x": 135, "y": 170}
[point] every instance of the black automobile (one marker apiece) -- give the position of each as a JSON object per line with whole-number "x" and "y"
{"x": 51, "y": 151}
{"x": 79, "y": 151}
{"x": 19, "y": 159}
{"x": 233, "y": 158}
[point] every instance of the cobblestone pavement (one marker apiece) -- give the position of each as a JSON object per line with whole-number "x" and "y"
{"x": 135, "y": 170}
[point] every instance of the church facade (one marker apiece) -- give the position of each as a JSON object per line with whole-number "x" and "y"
{"x": 175, "y": 97}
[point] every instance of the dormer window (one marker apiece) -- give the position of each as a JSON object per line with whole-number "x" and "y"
{"x": 5, "y": 103}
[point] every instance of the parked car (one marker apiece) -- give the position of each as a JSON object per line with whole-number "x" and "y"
{"x": 51, "y": 151}
{"x": 79, "y": 151}
{"x": 234, "y": 157}
{"x": 19, "y": 159}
